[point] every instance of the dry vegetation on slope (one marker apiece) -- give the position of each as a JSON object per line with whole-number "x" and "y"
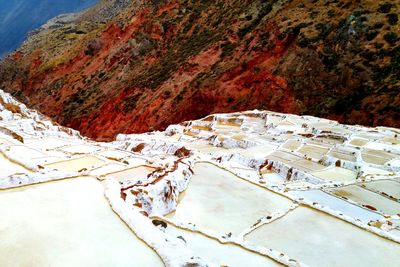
{"x": 136, "y": 66}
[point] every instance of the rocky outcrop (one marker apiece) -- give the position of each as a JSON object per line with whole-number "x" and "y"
{"x": 144, "y": 65}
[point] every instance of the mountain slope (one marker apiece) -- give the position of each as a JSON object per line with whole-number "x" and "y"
{"x": 144, "y": 65}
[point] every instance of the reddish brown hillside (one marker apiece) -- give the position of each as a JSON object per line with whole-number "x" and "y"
{"x": 154, "y": 63}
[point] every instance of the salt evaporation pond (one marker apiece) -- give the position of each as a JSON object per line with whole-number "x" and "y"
{"x": 66, "y": 223}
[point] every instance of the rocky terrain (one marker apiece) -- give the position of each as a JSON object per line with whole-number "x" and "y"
{"x": 252, "y": 188}
{"x": 133, "y": 66}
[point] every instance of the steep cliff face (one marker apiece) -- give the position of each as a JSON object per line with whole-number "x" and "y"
{"x": 144, "y": 65}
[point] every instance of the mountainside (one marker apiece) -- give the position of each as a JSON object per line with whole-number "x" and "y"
{"x": 125, "y": 67}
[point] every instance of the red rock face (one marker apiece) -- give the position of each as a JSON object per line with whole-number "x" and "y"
{"x": 157, "y": 64}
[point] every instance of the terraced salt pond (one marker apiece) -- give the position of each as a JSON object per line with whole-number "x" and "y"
{"x": 338, "y": 204}
{"x": 387, "y": 188}
{"x": 368, "y": 199}
{"x": 108, "y": 168}
{"x": 66, "y": 223}
{"x": 25, "y": 152}
{"x": 77, "y": 164}
{"x": 336, "y": 174}
{"x": 220, "y": 254}
{"x": 132, "y": 174}
{"x": 235, "y": 203}
{"x": 318, "y": 239}
{"x": 47, "y": 143}
{"x": 8, "y": 167}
